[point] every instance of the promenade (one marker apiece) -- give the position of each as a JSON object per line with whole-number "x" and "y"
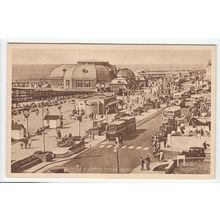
{"x": 50, "y": 140}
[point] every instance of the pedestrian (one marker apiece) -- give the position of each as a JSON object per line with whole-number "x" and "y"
{"x": 120, "y": 140}
{"x": 29, "y": 143}
{"x": 201, "y": 132}
{"x": 158, "y": 145}
{"x": 58, "y": 134}
{"x": 161, "y": 156}
{"x": 25, "y": 142}
{"x": 147, "y": 160}
{"x": 61, "y": 123}
{"x": 90, "y": 136}
{"x": 165, "y": 142}
{"x": 154, "y": 151}
{"x": 117, "y": 141}
{"x": 21, "y": 144}
{"x": 205, "y": 145}
{"x": 142, "y": 163}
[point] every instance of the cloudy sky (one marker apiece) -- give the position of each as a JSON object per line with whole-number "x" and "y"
{"x": 66, "y": 54}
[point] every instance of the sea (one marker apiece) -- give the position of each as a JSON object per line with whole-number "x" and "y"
{"x": 42, "y": 71}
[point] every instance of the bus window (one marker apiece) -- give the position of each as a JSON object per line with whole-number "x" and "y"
{"x": 111, "y": 127}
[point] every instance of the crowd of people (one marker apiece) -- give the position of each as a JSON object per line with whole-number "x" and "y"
{"x": 26, "y": 142}
{"x": 145, "y": 162}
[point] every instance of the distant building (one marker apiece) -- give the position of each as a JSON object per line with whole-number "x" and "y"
{"x": 57, "y": 75}
{"x": 125, "y": 82}
{"x": 53, "y": 121}
{"x": 17, "y": 131}
{"x": 208, "y": 71}
{"x": 99, "y": 104}
{"x": 157, "y": 74}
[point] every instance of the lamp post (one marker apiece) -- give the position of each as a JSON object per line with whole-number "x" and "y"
{"x": 42, "y": 120}
{"x": 26, "y": 115}
{"x": 59, "y": 107}
{"x": 79, "y": 118}
{"x": 117, "y": 157}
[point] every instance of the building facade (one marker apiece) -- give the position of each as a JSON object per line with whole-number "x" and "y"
{"x": 99, "y": 104}
{"x": 83, "y": 76}
{"x": 124, "y": 83}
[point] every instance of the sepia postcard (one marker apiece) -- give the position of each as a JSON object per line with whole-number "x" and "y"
{"x": 133, "y": 111}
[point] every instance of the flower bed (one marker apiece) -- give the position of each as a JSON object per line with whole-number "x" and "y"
{"x": 26, "y": 163}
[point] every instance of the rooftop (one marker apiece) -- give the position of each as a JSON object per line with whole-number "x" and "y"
{"x": 16, "y": 126}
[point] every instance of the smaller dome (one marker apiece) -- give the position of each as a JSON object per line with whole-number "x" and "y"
{"x": 59, "y": 71}
{"x": 125, "y": 73}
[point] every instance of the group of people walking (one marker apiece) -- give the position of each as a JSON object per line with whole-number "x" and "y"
{"x": 26, "y": 142}
{"x": 145, "y": 162}
{"x": 157, "y": 152}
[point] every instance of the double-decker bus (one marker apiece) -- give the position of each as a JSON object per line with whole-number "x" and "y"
{"x": 172, "y": 112}
{"x": 120, "y": 127}
{"x": 130, "y": 123}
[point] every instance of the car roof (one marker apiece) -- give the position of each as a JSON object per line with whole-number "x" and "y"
{"x": 117, "y": 123}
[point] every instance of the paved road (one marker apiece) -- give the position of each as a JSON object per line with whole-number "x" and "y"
{"x": 102, "y": 158}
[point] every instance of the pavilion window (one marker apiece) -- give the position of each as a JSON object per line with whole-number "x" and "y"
{"x": 87, "y": 84}
{"x": 67, "y": 83}
{"x": 79, "y": 83}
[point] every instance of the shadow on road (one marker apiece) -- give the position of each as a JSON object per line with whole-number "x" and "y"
{"x": 134, "y": 135}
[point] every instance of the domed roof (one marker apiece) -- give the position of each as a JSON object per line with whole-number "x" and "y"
{"x": 125, "y": 73}
{"x": 69, "y": 72}
{"x": 90, "y": 72}
{"x": 59, "y": 71}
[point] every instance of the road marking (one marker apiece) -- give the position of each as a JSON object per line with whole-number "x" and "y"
{"x": 101, "y": 146}
{"x": 131, "y": 147}
{"x": 138, "y": 148}
{"x": 109, "y": 146}
{"x": 124, "y": 147}
{"x": 146, "y": 148}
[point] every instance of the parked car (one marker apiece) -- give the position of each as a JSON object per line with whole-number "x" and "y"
{"x": 121, "y": 115}
{"x": 56, "y": 170}
{"x": 195, "y": 152}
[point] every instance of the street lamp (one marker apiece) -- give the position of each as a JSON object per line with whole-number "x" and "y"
{"x": 117, "y": 157}
{"x": 79, "y": 118}
{"x": 26, "y": 115}
{"x": 59, "y": 107}
{"x": 42, "y": 119}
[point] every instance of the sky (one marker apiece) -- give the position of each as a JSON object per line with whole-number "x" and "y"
{"x": 115, "y": 55}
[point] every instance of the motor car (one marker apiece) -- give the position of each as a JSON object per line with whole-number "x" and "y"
{"x": 121, "y": 115}
{"x": 179, "y": 102}
{"x": 55, "y": 103}
{"x": 195, "y": 152}
{"x": 56, "y": 170}
{"x": 188, "y": 102}
{"x": 33, "y": 105}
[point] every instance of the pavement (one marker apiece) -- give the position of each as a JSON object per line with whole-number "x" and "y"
{"x": 46, "y": 165}
{"x": 183, "y": 143}
{"x": 50, "y": 140}
{"x": 152, "y": 167}
{"x": 50, "y": 137}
